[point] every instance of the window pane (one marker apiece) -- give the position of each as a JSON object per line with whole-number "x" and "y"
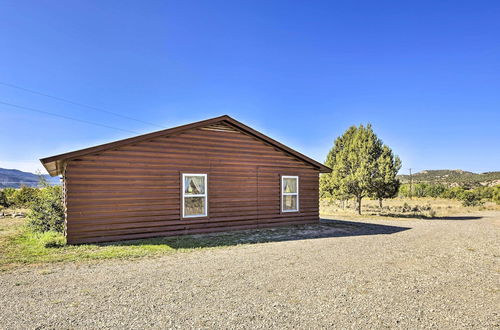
{"x": 194, "y": 206}
{"x": 289, "y": 203}
{"x": 290, "y": 185}
{"x": 194, "y": 185}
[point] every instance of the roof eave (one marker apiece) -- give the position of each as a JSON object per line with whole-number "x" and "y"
{"x": 55, "y": 164}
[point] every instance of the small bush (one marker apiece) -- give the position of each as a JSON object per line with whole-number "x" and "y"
{"x": 24, "y": 196}
{"x": 496, "y": 194}
{"x": 406, "y": 207}
{"x": 3, "y": 199}
{"x": 470, "y": 198}
{"x": 7, "y": 197}
{"x": 453, "y": 193}
{"x": 46, "y": 212}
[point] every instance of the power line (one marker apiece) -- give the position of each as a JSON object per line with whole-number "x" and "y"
{"x": 65, "y": 117}
{"x": 78, "y": 104}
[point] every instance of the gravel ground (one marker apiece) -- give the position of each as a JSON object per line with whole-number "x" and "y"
{"x": 378, "y": 274}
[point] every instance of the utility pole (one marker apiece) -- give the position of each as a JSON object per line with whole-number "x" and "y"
{"x": 410, "y": 184}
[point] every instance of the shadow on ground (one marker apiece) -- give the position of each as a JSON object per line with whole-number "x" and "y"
{"x": 467, "y": 217}
{"x": 326, "y": 228}
{"x": 425, "y": 217}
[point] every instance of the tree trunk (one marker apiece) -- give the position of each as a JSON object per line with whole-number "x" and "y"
{"x": 359, "y": 205}
{"x": 380, "y": 202}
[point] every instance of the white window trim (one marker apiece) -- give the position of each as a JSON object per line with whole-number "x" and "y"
{"x": 283, "y": 177}
{"x": 184, "y": 196}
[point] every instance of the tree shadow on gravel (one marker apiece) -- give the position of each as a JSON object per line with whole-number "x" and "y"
{"x": 467, "y": 217}
{"x": 425, "y": 217}
{"x": 324, "y": 229}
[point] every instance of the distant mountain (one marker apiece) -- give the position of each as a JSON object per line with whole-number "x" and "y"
{"x": 16, "y": 178}
{"x": 454, "y": 178}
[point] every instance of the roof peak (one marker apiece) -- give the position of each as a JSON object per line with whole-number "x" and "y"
{"x": 55, "y": 164}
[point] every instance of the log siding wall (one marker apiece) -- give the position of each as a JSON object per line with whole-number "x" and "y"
{"x": 134, "y": 191}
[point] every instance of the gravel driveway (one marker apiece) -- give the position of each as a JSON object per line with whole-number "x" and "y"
{"x": 378, "y": 274}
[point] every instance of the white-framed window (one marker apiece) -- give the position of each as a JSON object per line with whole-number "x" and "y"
{"x": 194, "y": 195}
{"x": 289, "y": 193}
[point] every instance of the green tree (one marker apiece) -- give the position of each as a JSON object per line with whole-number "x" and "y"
{"x": 329, "y": 187}
{"x": 354, "y": 160}
{"x": 385, "y": 184}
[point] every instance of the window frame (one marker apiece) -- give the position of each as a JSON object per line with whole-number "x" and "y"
{"x": 184, "y": 196}
{"x": 283, "y": 177}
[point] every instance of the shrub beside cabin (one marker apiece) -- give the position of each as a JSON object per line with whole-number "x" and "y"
{"x": 213, "y": 175}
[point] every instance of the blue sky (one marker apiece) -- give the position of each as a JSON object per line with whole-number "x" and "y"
{"x": 426, "y": 74}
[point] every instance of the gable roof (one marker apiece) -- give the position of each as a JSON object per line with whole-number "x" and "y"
{"x": 55, "y": 164}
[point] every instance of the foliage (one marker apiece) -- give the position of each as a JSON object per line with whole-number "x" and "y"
{"x": 46, "y": 213}
{"x": 9, "y": 196}
{"x": 449, "y": 177}
{"x": 24, "y": 196}
{"x": 328, "y": 186}
{"x": 361, "y": 166}
{"x": 453, "y": 193}
{"x": 496, "y": 194}
{"x": 470, "y": 198}
{"x": 485, "y": 192}
{"x": 385, "y": 184}
{"x": 3, "y": 199}
{"x": 422, "y": 189}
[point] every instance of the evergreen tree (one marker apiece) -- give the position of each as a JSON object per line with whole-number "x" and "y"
{"x": 385, "y": 183}
{"x": 361, "y": 166}
{"x": 328, "y": 186}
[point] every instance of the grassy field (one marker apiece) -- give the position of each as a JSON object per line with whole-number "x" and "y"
{"x": 400, "y": 208}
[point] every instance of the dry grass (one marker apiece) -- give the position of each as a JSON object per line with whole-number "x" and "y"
{"x": 401, "y": 208}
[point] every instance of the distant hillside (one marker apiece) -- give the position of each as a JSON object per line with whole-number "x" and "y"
{"x": 454, "y": 178}
{"x": 16, "y": 178}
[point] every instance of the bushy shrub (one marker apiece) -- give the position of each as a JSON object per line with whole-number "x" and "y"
{"x": 419, "y": 190}
{"x": 3, "y": 200}
{"x": 485, "y": 192}
{"x": 46, "y": 212}
{"x": 470, "y": 198}
{"x": 496, "y": 194}
{"x": 453, "y": 193}
{"x": 8, "y": 195}
{"x": 404, "y": 190}
{"x": 434, "y": 190}
{"x": 24, "y": 196}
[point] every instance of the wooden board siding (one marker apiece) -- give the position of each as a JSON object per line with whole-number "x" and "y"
{"x": 134, "y": 191}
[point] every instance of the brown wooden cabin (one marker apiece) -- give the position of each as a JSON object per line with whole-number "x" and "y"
{"x": 209, "y": 176}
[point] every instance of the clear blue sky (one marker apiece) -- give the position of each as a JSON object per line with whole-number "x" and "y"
{"x": 426, "y": 74}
